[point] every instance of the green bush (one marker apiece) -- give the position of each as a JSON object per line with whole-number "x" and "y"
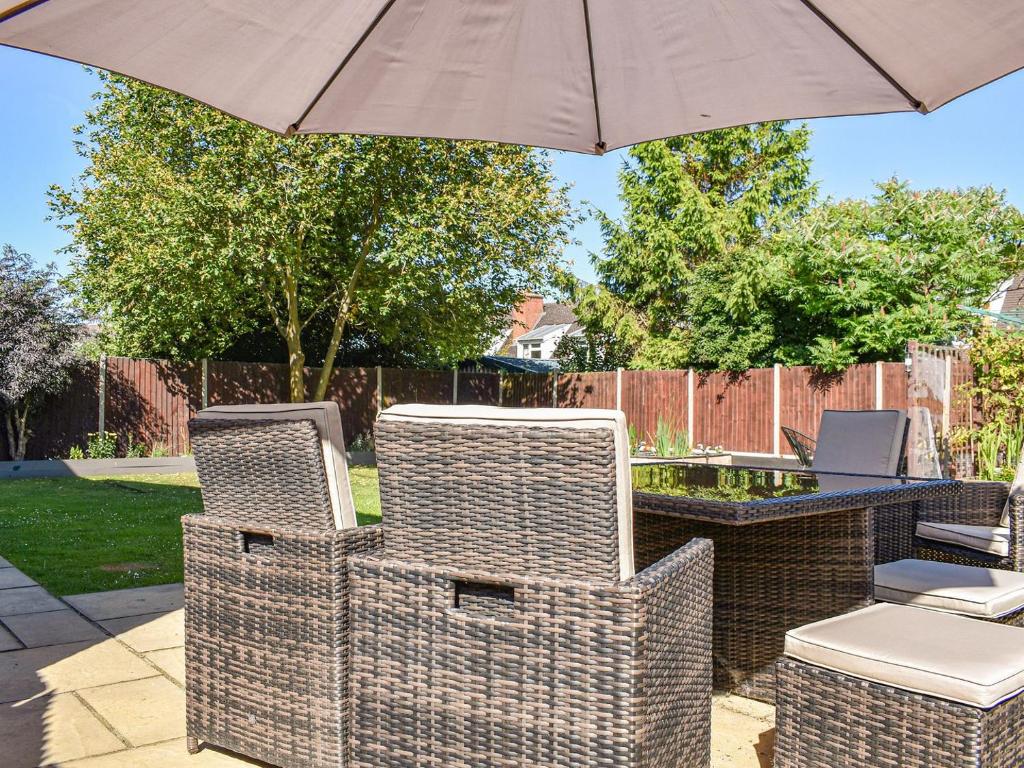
{"x": 101, "y": 445}
{"x": 160, "y": 450}
{"x": 669, "y": 441}
{"x": 136, "y": 450}
{"x": 76, "y": 452}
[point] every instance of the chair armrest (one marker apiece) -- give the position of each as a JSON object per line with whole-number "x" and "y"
{"x": 979, "y": 503}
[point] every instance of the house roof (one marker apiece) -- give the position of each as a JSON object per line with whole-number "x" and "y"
{"x": 542, "y": 332}
{"x": 520, "y": 364}
{"x": 556, "y": 314}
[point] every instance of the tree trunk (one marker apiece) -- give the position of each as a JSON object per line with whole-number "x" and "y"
{"x": 22, "y": 432}
{"x": 12, "y": 446}
{"x": 293, "y": 338}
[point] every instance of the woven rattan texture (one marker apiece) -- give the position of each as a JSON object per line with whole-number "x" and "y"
{"x": 506, "y": 499}
{"x": 582, "y": 674}
{"x": 825, "y": 719}
{"x": 268, "y": 471}
{"x": 980, "y": 503}
{"x": 266, "y": 641}
{"x": 770, "y": 578}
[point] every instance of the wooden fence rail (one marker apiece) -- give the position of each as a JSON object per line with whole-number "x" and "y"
{"x": 151, "y": 401}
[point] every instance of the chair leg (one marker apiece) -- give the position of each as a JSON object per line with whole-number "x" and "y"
{"x": 192, "y": 745}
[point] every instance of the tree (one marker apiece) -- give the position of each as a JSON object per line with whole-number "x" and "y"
{"x": 192, "y": 229}
{"x": 862, "y": 278}
{"x": 38, "y": 338}
{"x": 699, "y": 211}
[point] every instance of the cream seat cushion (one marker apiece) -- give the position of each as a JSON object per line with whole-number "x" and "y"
{"x": 327, "y": 418}
{"x": 978, "y": 663}
{"x": 564, "y": 418}
{"x": 982, "y": 592}
{"x": 983, "y": 538}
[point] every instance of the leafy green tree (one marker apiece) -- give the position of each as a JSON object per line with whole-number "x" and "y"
{"x": 683, "y": 273}
{"x": 191, "y": 229}
{"x": 862, "y": 278}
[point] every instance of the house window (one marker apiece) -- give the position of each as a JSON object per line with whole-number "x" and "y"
{"x": 531, "y": 349}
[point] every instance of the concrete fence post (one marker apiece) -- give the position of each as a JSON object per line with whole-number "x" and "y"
{"x": 554, "y": 390}
{"x": 206, "y": 383}
{"x": 501, "y": 387}
{"x": 879, "y": 386}
{"x": 455, "y": 386}
{"x": 618, "y": 389}
{"x": 103, "y": 395}
{"x": 380, "y": 390}
{"x": 690, "y": 389}
{"x": 776, "y": 409}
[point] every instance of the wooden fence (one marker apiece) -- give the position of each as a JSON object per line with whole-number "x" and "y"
{"x": 151, "y": 401}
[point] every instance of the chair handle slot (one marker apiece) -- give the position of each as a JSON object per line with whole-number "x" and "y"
{"x": 487, "y": 600}
{"x": 257, "y": 542}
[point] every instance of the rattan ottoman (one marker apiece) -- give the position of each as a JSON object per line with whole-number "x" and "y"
{"x": 898, "y": 687}
{"x": 267, "y": 586}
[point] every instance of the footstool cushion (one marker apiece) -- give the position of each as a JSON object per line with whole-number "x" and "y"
{"x": 937, "y": 654}
{"x": 983, "y": 593}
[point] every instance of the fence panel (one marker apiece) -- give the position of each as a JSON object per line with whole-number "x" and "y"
{"x": 411, "y": 386}
{"x": 805, "y": 393}
{"x": 527, "y": 390}
{"x": 734, "y": 410}
{"x": 151, "y": 401}
{"x": 239, "y": 383}
{"x": 355, "y": 392}
{"x": 646, "y": 395}
{"x": 586, "y": 390}
{"x": 62, "y": 421}
{"x": 478, "y": 388}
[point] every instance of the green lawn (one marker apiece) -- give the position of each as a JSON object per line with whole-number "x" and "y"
{"x": 76, "y": 535}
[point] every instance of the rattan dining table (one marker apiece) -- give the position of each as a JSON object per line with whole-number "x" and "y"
{"x": 791, "y": 548}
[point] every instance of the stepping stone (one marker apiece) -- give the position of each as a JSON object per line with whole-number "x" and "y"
{"x": 64, "y": 668}
{"x": 52, "y": 730}
{"x": 143, "y": 711}
{"x": 171, "y": 661}
{"x": 52, "y": 628}
{"x": 27, "y": 600}
{"x": 169, "y": 754}
{"x": 8, "y": 642}
{"x": 12, "y": 577}
{"x": 100, "y": 606}
{"x": 149, "y": 632}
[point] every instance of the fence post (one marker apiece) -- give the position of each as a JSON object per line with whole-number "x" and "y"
{"x": 103, "y": 395}
{"x": 776, "y": 408}
{"x": 618, "y": 389}
{"x": 380, "y": 390}
{"x": 879, "y": 386}
{"x": 554, "y": 390}
{"x": 689, "y": 405}
{"x": 455, "y": 386}
{"x": 206, "y": 383}
{"x": 947, "y": 398}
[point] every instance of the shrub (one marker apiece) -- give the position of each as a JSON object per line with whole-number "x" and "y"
{"x": 362, "y": 443}
{"x": 101, "y": 445}
{"x": 76, "y": 452}
{"x": 160, "y": 450}
{"x": 136, "y": 450}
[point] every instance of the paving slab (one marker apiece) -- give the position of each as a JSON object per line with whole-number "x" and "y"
{"x": 171, "y": 661}
{"x": 740, "y": 739}
{"x": 51, "y": 729}
{"x": 169, "y": 754}
{"x": 52, "y": 628}
{"x": 143, "y": 711}
{"x": 70, "y": 667}
{"x": 27, "y": 600}
{"x": 100, "y": 606}
{"x": 12, "y": 577}
{"x": 5, "y": 563}
{"x": 8, "y": 642}
{"x": 149, "y": 632}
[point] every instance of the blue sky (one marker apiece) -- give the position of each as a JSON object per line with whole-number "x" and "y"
{"x": 978, "y": 139}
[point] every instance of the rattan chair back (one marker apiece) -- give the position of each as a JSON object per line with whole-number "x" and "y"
{"x": 542, "y": 492}
{"x": 262, "y": 472}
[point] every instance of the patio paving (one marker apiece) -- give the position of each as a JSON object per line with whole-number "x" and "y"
{"x": 96, "y": 681}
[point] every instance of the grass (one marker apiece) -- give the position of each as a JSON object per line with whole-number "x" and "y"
{"x": 76, "y": 535}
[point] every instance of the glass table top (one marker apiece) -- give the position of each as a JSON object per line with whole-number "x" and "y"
{"x": 745, "y": 484}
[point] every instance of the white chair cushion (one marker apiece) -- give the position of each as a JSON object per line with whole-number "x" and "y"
{"x": 983, "y": 538}
{"x": 1017, "y": 487}
{"x": 978, "y": 663}
{"x": 564, "y": 418}
{"x": 327, "y": 418}
{"x": 982, "y": 592}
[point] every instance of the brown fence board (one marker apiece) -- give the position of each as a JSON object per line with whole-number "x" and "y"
{"x": 648, "y": 395}
{"x": 411, "y": 386}
{"x": 527, "y": 390}
{"x": 586, "y": 390}
{"x": 478, "y": 388}
{"x": 734, "y": 411}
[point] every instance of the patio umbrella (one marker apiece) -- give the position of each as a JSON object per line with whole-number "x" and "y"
{"x": 583, "y": 75}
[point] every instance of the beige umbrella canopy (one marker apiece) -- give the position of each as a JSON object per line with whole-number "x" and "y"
{"x": 583, "y": 75}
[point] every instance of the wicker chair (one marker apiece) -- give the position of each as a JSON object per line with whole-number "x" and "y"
{"x": 982, "y": 526}
{"x": 503, "y": 624}
{"x": 266, "y": 585}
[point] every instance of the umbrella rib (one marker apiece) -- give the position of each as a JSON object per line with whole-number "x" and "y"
{"x": 18, "y": 8}
{"x": 600, "y": 146}
{"x": 914, "y": 102}
{"x": 294, "y": 127}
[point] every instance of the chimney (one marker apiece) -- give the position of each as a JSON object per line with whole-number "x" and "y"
{"x": 526, "y": 315}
